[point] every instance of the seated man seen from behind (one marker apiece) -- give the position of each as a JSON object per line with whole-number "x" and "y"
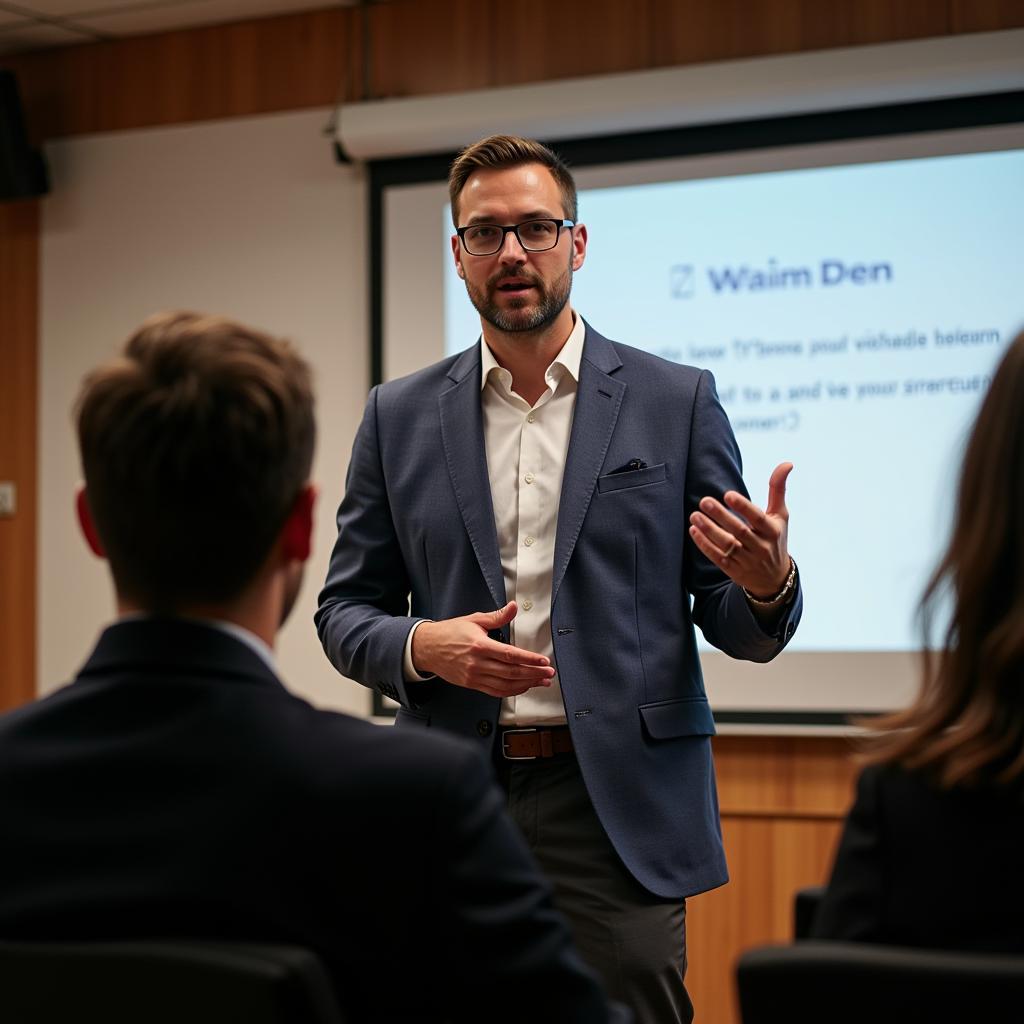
{"x": 176, "y": 789}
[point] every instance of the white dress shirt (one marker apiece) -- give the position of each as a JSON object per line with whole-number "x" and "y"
{"x": 526, "y": 450}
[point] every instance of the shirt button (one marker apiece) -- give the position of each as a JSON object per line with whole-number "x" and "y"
{"x": 483, "y": 727}
{"x": 530, "y": 418}
{"x": 527, "y": 605}
{"x": 528, "y": 478}
{"x": 528, "y": 542}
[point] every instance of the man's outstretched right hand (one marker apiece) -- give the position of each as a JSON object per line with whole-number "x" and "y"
{"x": 460, "y": 652}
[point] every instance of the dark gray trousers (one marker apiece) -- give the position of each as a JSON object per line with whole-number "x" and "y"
{"x": 635, "y": 941}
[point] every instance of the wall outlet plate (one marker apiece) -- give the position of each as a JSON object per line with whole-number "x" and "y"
{"x": 8, "y": 498}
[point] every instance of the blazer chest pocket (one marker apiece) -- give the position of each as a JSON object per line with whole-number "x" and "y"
{"x": 667, "y": 719}
{"x": 631, "y": 478}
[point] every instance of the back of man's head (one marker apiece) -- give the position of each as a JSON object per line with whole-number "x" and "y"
{"x": 196, "y": 443}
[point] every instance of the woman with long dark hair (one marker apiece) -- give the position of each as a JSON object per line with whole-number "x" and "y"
{"x": 933, "y": 849}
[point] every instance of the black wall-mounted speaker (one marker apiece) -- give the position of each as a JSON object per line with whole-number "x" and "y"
{"x": 22, "y": 169}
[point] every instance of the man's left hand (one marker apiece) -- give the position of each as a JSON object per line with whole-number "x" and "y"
{"x": 749, "y": 545}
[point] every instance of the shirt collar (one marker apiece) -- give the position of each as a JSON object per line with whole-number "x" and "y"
{"x": 569, "y": 356}
{"x": 251, "y": 640}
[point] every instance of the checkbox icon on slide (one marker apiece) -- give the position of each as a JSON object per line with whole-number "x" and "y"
{"x": 681, "y": 281}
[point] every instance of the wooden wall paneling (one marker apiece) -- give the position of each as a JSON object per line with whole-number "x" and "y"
{"x": 418, "y": 47}
{"x": 549, "y": 41}
{"x": 688, "y": 31}
{"x": 421, "y": 47}
{"x": 783, "y": 800}
{"x": 253, "y": 67}
{"x": 694, "y": 31}
{"x": 19, "y": 274}
{"x": 866, "y": 22}
{"x": 985, "y": 15}
{"x": 769, "y": 860}
{"x": 785, "y": 775}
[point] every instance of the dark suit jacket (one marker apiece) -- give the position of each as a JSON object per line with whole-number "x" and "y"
{"x": 417, "y": 519}
{"x": 176, "y": 789}
{"x": 920, "y": 866}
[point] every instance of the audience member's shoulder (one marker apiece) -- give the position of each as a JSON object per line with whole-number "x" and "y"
{"x": 388, "y": 742}
{"x": 11, "y": 721}
{"x": 891, "y": 780}
{"x": 333, "y": 738}
{"x": 901, "y": 790}
{"x": 21, "y": 717}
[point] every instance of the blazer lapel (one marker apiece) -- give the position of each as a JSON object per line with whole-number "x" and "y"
{"x": 462, "y": 434}
{"x": 598, "y": 399}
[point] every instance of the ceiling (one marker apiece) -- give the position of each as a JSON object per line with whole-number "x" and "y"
{"x": 38, "y": 24}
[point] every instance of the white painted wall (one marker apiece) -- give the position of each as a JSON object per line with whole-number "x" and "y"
{"x": 250, "y": 218}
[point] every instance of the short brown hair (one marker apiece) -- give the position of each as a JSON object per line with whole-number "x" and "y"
{"x": 195, "y": 444}
{"x": 498, "y": 152}
{"x": 967, "y": 724}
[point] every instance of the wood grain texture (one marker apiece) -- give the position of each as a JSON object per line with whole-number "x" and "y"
{"x": 985, "y": 15}
{"x": 251, "y": 67}
{"x": 785, "y": 776}
{"x": 19, "y": 275}
{"x": 867, "y": 22}
{"x": 434, "y": 46}
{"x": 419, "y": 47}
{"x": 565, "y": 40}
{"x": 783, "y": 800}
{"x": 769, "y": 860}
{"x": 692, "y": 31}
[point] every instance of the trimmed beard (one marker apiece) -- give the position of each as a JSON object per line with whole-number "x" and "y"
{"x": 518, "y": 319}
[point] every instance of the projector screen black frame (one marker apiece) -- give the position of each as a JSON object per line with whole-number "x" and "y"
{"x": 729, "y": 137}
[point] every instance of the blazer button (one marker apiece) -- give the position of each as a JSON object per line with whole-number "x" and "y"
{"x": 484, "y": 727}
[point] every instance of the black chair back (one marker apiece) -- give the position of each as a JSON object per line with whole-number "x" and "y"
{"x": 805, "y": 909}
{"x": 861, "y": 983}
{"x": 163, "y": 983}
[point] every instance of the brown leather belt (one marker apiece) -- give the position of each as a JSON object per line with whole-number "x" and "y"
{"x": 528, "y": 744}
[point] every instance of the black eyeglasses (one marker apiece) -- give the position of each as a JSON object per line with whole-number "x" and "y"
{"x": 533, "y": 235}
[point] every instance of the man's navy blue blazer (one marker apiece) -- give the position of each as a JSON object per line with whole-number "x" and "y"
{"x": 176, "y": 789}
{"x": 417, "y": 520}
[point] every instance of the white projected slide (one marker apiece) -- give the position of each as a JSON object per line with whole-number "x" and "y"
{"x": 851, "y": 301}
